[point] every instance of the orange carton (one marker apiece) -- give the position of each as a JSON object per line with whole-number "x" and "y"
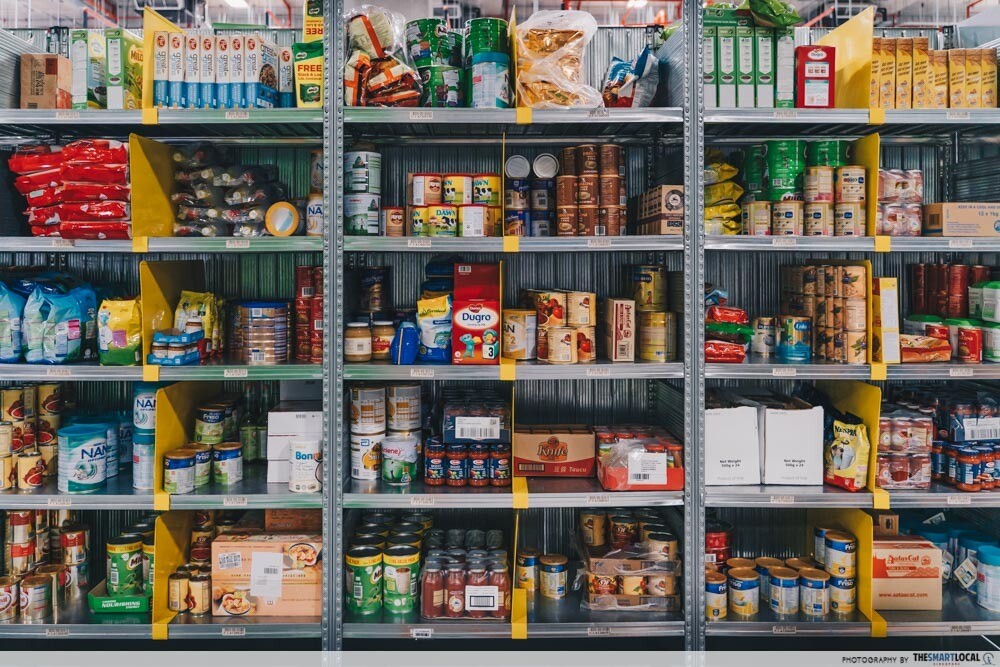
{"x": 973, "y": 78}
{"x": 553, "y": 451}
{"x": 46, "y": 81}
{"x": 906, "y": 574}
{"x": 475, "y": 331}
{"x": 923, "y": 75}
{"x": 619, "y": 329}
{"x": 989, "y": 67}
{"x": 888, "y": 77}
{"x": 904, "y": 73}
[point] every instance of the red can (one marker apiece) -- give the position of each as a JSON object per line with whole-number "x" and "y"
{"x": 970, "y": 345}
{"x": 958, "y": 290}
{"x": 318, "y": 280}
{"x": 980, "y": 274}
{"x": 918, "y": 288}
{"x": 719, "y": 538}
{"x": 936, "y": 331}
{"x": 938, "y": 295}
{"x": 303, "y": 311}
{"x": 304, "y": 282}
{"x": 317, "y": 315}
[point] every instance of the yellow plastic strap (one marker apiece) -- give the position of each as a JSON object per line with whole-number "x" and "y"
{"x": 151, "y": 373}
{"x": 151, "y": 116}
{"x": 523, "y": 116}
{"x": 879, "y": 627}
{"x": 519, "y": 493}
{"x": 507, "y": 369}
{"x": 878, "y": 371}
{"x": 160, "y": 631}
{"x": 883, "y": 243}
{"x": 512, "y": 244}
{"x": 876, "y": 116}
{"x": 161, "y": 501}
{"x": 140, "y": 244}
{"x": 519, "y": 613}
{"x": 880, "y": 499}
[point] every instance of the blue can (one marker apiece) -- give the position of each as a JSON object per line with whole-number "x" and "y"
{"x": 794, "y": 337}
{"x": 843, "y": 595}
{"x": 516, "y": 194}
{"x": 542, "y": 194}
{"x": 541, "y": 223}
{"x": 515, "y": 223}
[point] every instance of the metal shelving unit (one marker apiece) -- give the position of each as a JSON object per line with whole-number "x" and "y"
{"x": 118, "y": 494}
{"x": 252, "y": 493}
{"x": 210, "y": 371}
{"x": 186, "y": 626}
{"x": 959, "y": 615}
{"x": 74, "y": 620}
{"x": 766, "y": 624}
{"x": 777, "y": 496}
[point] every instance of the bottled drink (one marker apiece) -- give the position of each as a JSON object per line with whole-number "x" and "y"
{"x": 249, "y": 435}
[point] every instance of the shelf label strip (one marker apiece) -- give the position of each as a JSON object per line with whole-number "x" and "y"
{"x": 883, "y": 244}
{"x": 879, "y": 371}
{"x": 519, "y": 613}
{"x": 150, "y": 373}
{"x": 880, "y": 499}
{"x": 519, "y": 493}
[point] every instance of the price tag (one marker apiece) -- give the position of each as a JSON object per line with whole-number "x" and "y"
{"x": 959, "y": 499}
{"x": 57, "y": 632}
{"x": 421, "y": 501}
{"x": 237, "y": 115}
{"x": 782, "y": 500}
{"x": 600, "y": 499}
{"x": 62, "y": 243}
{"x": 60, "y": 501}
{"x": 961, "y": 372}
{"x": 960, "y": 629}
{"x": 421, "y": 115}
{"x": 598, "y": 372}
{"x": 234, "y": 373}
{"x": 959, "y": 243}
{"x": 599, "y": 631}
{"x": 784, "y": 242}
{"x": 599, "y": 112}
{"x": 783, "y": 630}
{"x": 784, "y": 372}
{"x": 421, "y": 633}
{"x": 67, "y": 115}
{"x": 58, "y": 372}
{"x": 234, "y": 631}
{"x": 598, "y": 243}
{"x": 784, "y": 114}
{"x": 237, "y": 244}
{"x": 418, "y": 243}
{"x": 422, "y": 373}
{"x": 958, "y": 115}
{"x": 234, "y": 501}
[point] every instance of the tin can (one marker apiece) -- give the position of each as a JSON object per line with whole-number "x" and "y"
{"x": 36, "y": 598}
{"x": 588, "y": 190}
{"x": 552, "y": 576}
{"x": 362, "y": 172}
{"x": 609, "y": 159}
{"x": 486, "y": 189}
{"x": 457, "y": 189}
{"x": 367, "y": 409}
{"x": 744, "y": 591}
{"x": 50, "y": 460}
{"x": 855, "y": 347}
{"x": 519, "y": 334}
{"x": 403, "y": 407}
{"x": 566, "y": 188}
{"x": 849, "y": 219}
{"x": 843, "y": 594}
{"x": 814, "y": 592}
{"x": 567, "y": 220}
{"x": 581, "y": 309}
{"x": 399, "y": 459}
{"x": 124, "y": 566}
{"x": 561, "y": 345}
{"x": 20, "y": 558}
{"x": 50, "y": 398}
{"x": 10, "y": 598}
{"x": 227, "y": 463}
{"x": 209, "y": 424}
{"x": 515, "y": 223}
{"x": 794, "y": 337}
{"x": 6, "y": 437}
{"x": 401, "y": 565}
{"x": 8, "y": 472}
{"x": 649, "y": 287}
{"x": 179, "y": 471}
{"x": 177, "y": 592}
{"x": 82, "y": 458}
{"x": 622, "y": 530}
{"x": 474, "y": 220}
{"x": 763, "y": 340}
{"x": 541, "y": 198}
{"x": 757, "y": 218}
{"x": 426, "y": 189}
{"x": 364, "y": 580}
{"x": 202, "y": 463}
{"x": 786, "y": 218}
{"x": 20, "y": 526}
{"x": 392, "y": 221}
{"x": 818, "y": 219}
{"x": 840, "y": 555}
{"x": 593, "y": 526}
{"x": 74, "y": 540}
{"x": 489, "y": 81}
{"x": 716, "y": 594}
{"x": 830, "y": 153}
{"x": 366, "y": 456}
{"x": 784, "y": 166}
{"x": 607, "y": 190}
{"x": 517, "y": 194}
{"x": 144, "y": 410}
{"x": 856, "y": 314}
{"x": 148, "y": 562}
{"x": 601, "y": 584}
{"x": 849, "y": 184}
{"x": 587, "y": 222}
{"x": 200, "y": 594}
{"x": 143, "y": 458}
{"x": 442, "y": 220}
{"x": 30, "y": 469}
{"x": 586, "y": 344}
{"x": 819, "y": 184}
{"x": 783, "y": 591}
{"x": 526, "y": 572}
{"x": 657, "y": 336}
{"x": 970, "y": 350}
{"x": 587, "y": 160}
{"x": 361, "y": 214}
{"x": 420, "y": 221}
{"x": 305, "y": 465}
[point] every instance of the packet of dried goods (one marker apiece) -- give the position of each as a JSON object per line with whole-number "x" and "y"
{"x": 434, "y": 324}
{"x": 550, "y": 48}
{"x": 846, "y": 456}
{"x": 632, "y": 84}
{"x": 119, "y": 332}
{"x": 11, "y": 311}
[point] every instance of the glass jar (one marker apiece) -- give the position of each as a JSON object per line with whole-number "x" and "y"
{"x": 458, "y": 466}
{"x": 987, "y": 469}
{"x": 358, "y": 343}
{"x": 432, "y": 591}
{"x": 382, "y": 334}
{"x": 969, "y": 464}
{"x": 899, "y": 468}
{"x": 435, "y": 463}
{"x": 454, "y": 583}
{"x": 938, "y": 464}
{"x": 478, "y": 465}
{"x": 500, "y": 465}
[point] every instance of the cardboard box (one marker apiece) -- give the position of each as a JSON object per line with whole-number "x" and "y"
{"x": 223, "y": 72}
{"x": 939, "y": 62}
{"x": 989, "y": 84}
{"x": 906, "y": 574}
{"x": 726, "y": 66}
{"x": 815, "y": 77}
{"x": 88, "y": 53}
{"x": 791, "y": 440}
{"x": 956, "y": 78}
{"x": 175, "y": 69}
{"x": 764, "y": 66}
{"x": 293, "y": 521}
{"x": 886, "y": 524}
{"x": 732, "y": 443}
{"x": 237, "y": 71}
{"x": 888, "y": 76}
{"x": 206, "y": 72}
{"x": 746, "y": 74}
{"x": 260, "y": 73}
{"x": 267, "y": 574}
{"x": 161, "y": 67}
{"x": 973, "y": 78}
{"x": 296, "y": 418}
{"x": 278, "y": 472}
{"x": 663, "y": 204}
{"x": 710, "y": 72}
{"x": 875, "y": 89}
{"x": 619, "y": 329}
{"x": 286, "y": 78}
{"x": 784, "y": 68}
{"x": 904, "y": 73}
{"x": 885, "y": 321}
{"x": 962, "y": 219}
{"x": 124, "y": 69}
{"x": 475, "y": 331}
{"x": 923, "y": 76}
{"x": 312, "y": 21}
{"x": 554, "y": 451}
{"x": 46, "y": 81}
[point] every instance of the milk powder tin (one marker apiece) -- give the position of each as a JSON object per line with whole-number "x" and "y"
{"x": 716, "y": 594}
{"x": 82, "y": 458}
{"x": 361, "y": 214}
{"x": 305, "y": 466}
{"x": 227, "y": 463}
{"x": 457, "y": 189}
{"x": 426, "y": 190}
{"x": 843, "y": 595}
{"x": 840, "y": 556}
{"x": 179, "y": 471}
{"x": 362, "y": 172}
{"x": 368, "y": 410}
{"x": 783, "y": 587}
{"x": 366, "y": 455}
{"x": 519, "y": 334}
{"x": 814, "y": 593}
{"x": 744, "y": 591}
{"x": 849, "y": 184}
{"x": 786, "y": 218}
{"x": 399, "y": 459}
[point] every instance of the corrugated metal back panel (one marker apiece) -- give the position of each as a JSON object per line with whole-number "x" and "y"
{"x": 581, "y": 401}
{"x": 610, "y": 42}
{"x": 292, "y": 163}
{"x": 975, "y": 180}
{"x": 768, "y": 532}
{"x": 668, "y": 405}
{"x": 11, "y": 48}
{"x": 936, "y": 37}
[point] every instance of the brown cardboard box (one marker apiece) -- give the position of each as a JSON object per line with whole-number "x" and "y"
{"x": 939, "y": 61}
{"x": 888, "y": 78}
{"x": 886, "y": 524}
{"x": 293, "y": 521}
{"x": 874, "y": 94}
{"x": 610, "y": 561}
{"x": 956, "y": 78}
{"x": 619, "y": 329}
{"x": 663, "y": 204}
{"x": 554, "y": 451}
{"x": 923, "y": 76}
{"x": 904, "y": 73}
{"x": 46, "y": 81}
{"x": 646, "y": 602}
{"x": 962, "y": 219}
{"x": 973, "y": 78}
{"x": 906, "y": 574}
{"x": 989, "y": 66}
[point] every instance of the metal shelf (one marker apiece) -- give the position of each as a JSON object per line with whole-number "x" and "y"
{"x": 959, "y": 615}
{"x": 172, "y": 244}
{"x": 791, "y": 243}
{"x": 74, "y": 620}
{"x": 383, "y": 625}
{"x": 216, "y": 370}
{"x": 523, "y": 370}
{"x": 941, "y": 495}
{"x": 252, "y": 493}
{"x": 117, "y": 494}
{"x": 757, "y": 367}
{"x": 525, "y": 244}
{"x": 542, "y": 492}
{"x": 943, "y": 371}
{"x": 421, "y": 244}
{"x": 777, "y": 496}
{"x": 387, "y": 371}
{"x": 186, "y": 626}
{"x": 766, "y": 623}
{"x": 847, "y": 122}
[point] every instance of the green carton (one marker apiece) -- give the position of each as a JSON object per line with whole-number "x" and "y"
{"x": 124, "y": 70}
{"x": 102, "y": 603}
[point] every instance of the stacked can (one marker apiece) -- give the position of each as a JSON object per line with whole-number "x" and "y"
{"x": 718, "y": 543}
{"x": 260, "y": 332}
{"x": 368, "y": 424}
{"x": 954, "y": 291}
{"x": 309, "y": 314}
{"x": 834, "y": 192}
{"x": 58, "y": 519}
{"x": 437, "y": 54}
{"x": 591, "y": 191}
{"x": 454, "y": 204}
{"x": 529, "y": 202}
{"x": 487, "y": 63}
{"x": 144, "y": 431}
{"x": 362, "y": 190}
{"x": 391, "y": 415}
{"x": 825, "y": 313}
{"x": 565, "y": 331}
{"x": 657, "y": 324}
{"x": 20, "y": 546}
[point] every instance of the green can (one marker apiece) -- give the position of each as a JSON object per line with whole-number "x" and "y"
{"x": 784, "y": 165}
{"x": 364, "y": 580}
{"x": 829, "y": 153}
{"x": 486, "y": 35}
{"x": 148, "y": 563}
{"x": 428, "y": 43}
{"x": 753, "y": 168}
{"x": 442, "y": 87}
{"x": 124, "y": 565}
{"x": 402, "y": 567}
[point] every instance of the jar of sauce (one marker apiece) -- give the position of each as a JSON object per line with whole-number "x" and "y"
{"x": 432, "y": 591}
{"x": 454, "y": 584}
{"x": 938, "y": 464}
{"x": 479, "y": 466}
{"x": 500, "y": 577}
{"x": 675, "y": 456}
{"x": 357, "y": 343}
{"x": 899, "y": 467}
{"x": 969, "y": 462}
{"x": 435, "y": 463}
{"x": 457, "y": 473}
{"x": 882, "y": 475}
{"x": 382, "y": 334}
{"x": 951, "y": 463}
{"x": 920, "y": 470}
{"x": 477, "y": 576}
{"x": 500, "y": 473}
{"x": 987, "y": 469}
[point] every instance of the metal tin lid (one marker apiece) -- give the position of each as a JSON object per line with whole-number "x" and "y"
{"x": 545, "y": 165}
{"x": 517, "y": 166}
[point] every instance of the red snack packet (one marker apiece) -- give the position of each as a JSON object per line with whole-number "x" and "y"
{"x": 43, "y": 230}
{"x": 30, "y": 159}
{"x": 97, "y": 230}
{"x": 112, "y": 174}
{"x": 726, "y": 314}
{"x": 77, "y": 211}
{"x": 76, "y": 192}
{"x": 96, "y": 151}
{"x": 719, "y": 351}
{"x": 49, "y": 178}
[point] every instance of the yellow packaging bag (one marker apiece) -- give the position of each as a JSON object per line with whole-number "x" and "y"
{"x": 722, "y": 193}
{"x": 846, "y": 456}
{"x": 119, "y": 332}
{"x": 717, "y": 172}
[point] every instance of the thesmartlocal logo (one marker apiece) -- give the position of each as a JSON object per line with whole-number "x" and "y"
{"x": 956, "y": 658}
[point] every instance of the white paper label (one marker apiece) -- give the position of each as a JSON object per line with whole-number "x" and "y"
{"x": 425, "y": 373}
{"x": 599, "y": 112}
{"x": 237, "y": 115}
{"x": 965, "y": 574}
{"x": 784, "y": 242}
{"x": 482, "y": 598}
{"x": 67, "y": 115}
{"x": 62, "y": 243}
{"x": 784, "y": 372}
{"x": 960, "y": 499}
{"x": 235, "y": 244}
{"x": 421, "y": 115}
{"x": 234, "y": 501}
{"x": 935, "y": 519}
{"x": 57, "y": 632}
{"x": 604, "y": 499}
{"x": 599, "y": 631}
{"x": 234, "y": 373}
{"x": 421, "y": 633}
{"x": 958, "y": 115}
{"x": 418, "y": 243}
{"x": 58, "y": 372}
{"x": 783, "y": 630}
{"x": 421, "y": 501}
{"x": 229, "y": 560}
{"x": 782, "y": 500}
{"x": 647, "y": 468}
{"x": 961, "y": 372}
{"x": 785, "y": 113}
{"x": 234, "y": 631}
{"x": 598, "y": 372}
{"x": 987, "y": 428}
{"x": 265, "y": 575}
{"x": 60, "y": 501}
{"x": 599, "y": 243}
{"x": 959, "y": 243}
{"x": 477, "y": 428}
{"x": 960, "y": 629}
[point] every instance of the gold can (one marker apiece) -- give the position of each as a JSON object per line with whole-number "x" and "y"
{"x": 586, "y": 344}
{"x": 201, "y": 543}
{"x": 420, "y": 221}
{"x": 8, "y": 476}
{"x": 6, "y": 437}
{"x": 649, "y": 287}
{"x": 593, "y": 528}
{"x": 757, "y": 218}
{"x": 662, "y": 544}
{"x": 10, "y": 598}
{"x": 50, "y": 399}
{"x": 854, "y": 282}
{"x": 49, "y": 454}
{"x": 581, "y": 309}
{"x": 12, "y": 404}
{"x": 200, "y": 594}
{"x": 622, "y": 530}
{"x": 786, "y": 218}
{"x": 849, "y": 219}
{"x": 849, "y": 184}
{"x": 819, "y": 185}
{"x": 520, "y": 331}
{"x": 561, "y": 342}
{"x": 30, "y": 469}
{"x": 817, "y": 219}
{"x": 631, "y": 584}
{"x": 660, "y": 584}
{"x": 36, "y": 598}
{"x": 58, "y": 576}
{"x": 657, "y": 336}
{"x": 177, "y": 592}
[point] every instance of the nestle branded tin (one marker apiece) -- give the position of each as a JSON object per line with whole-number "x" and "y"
{"x": 744, "y": 591}
{"x": 227, "y": 463}
{"x": 10, "y": 598}
{"x": 757, "y": 218}
{"x": 843, "y": 595}
{"x": 786, "y": 218}
{"x": 519, "y": 334}
{"x": 361, "y": 214}
{"x": 817, "y": 219}
{"x": 20, "y": 526}
{"x": 763, "y": 340}
{"x": 362, "y": 172}
{"x": 124, "y": 566}
{"x": 179, "y": 471}
{"x": 426, "y": 189}
{"x": 649, "y": 286}
{"x": 819, "y": 184}
{"x": 819, "y": 541}
{"x": 82, "y": 461}
{"x": 364, "y": 580}
{"x": 516, "y": 194}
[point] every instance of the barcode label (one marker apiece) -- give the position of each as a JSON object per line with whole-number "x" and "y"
{"x": 960, "y": 629}
{"x": 265, "y": 575}
{"x": 229, "y": 560}
{"x": 421, "y": 501}
{"x": 237, "y": 115}
{"x": 257, "y": 356}
{"x": 58, "y": 372}
{"x": 640, "y": 477}
{"x": 235, "y": 631}
{"x": 647, "y": 467}
{"x": 272, "y": 571}
{"x": 600, "y": 631}
{"x": 531, "y": 467}
{"x": 418, "y": 243}
{"x": 599, "y": 112}
{"x": 783, "y": 630}
{"x": 599, "y": 500}
{"x": 237, "y": 244}
{"x": 425, "y": 373}
{"x": 60, "y": 501}
{"x": 598, "y": 372}
{"x": 624, "y": 348}
{"x": 477, "y": 428}
{"x": 234, "y": 373}
{"x": 421, "y": 633}
{"x": 317, "y": 325}
{"x": 985, "y": 429}
{"x": 960, "y": 243}
{"x": 421, "y": 115}
{"x": 782, "y": 500}
{"x": 359, "y": 591}
{"x": 785, "y": 113}
{"x": 958, "y": 115}
{"x": 482, "y": 598}
{"x": 62, "y": 243}
{"x": 67, "y": 115}
{"x": 959, "y": 499}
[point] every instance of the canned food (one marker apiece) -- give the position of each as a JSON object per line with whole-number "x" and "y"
{"x": 366, "y": 456}
{"x": 392, "y": 221}
{"x": 403, "y": 407}
{"x": 744, "y": 591}
{"x": 586, "y": 344}
{"x": 818, "y": 219}
{"x": 457, "y": 189}
{"x": 567, "y": 218}
{"x": 581, "y": 308}
{"x": 716, "y": 594}
{"x": 649, "y": 285}
{"x": 840, "y": 554}
{"x": 552, "y": 576}
{"x": 364, "y": 580}
{"x": 361, "y": 214}
{"x": 783, "y": 590}
{"x": 970, "y": 350}
{"x": 819, "y": 184}
{"x": 849, "y": 219}
{"x": 515, "y": 223}
{"x": 516, "y": 196}
{"x": 757, "y": 218}
{"x": 519, "y": 334}
{"x": 623, "y": 530}
{"x": 200, "y": 594}
{"x": 855, "y": 314}
{"x": 8, "y": 472}
{"x": 849, "y": 184}
{"x": 30, "y": 469}
{"x": 82, "y": 466}
{"x": 36, "y": 598}
{"x": 399, "y": 459}
{"x": 541, "y": 194}
{"x": 486, "y": 189}
{"x": 593, "y": 526}
{"x": 401, "y": 567}
{"x": 20, "y": 558}
{"x": 177, "y": 592}
{"x": 426, "y": 190}
{"x": 362, "y": 172}
{"x": 227, "y": 463}
{"x": 209, "y": 424}
{"x": 179, "y": 471}
{"x": 657, "y": 336}
{"x": 842, "y": 595}
{"x": 794, "y": 337}
{"x": 124, "y": 566}
{"x": 601, "y": 584}
{"x": 10, "y": 598}
{"x": 814, "y": 593}
{"x": 526, "y": 572}
{"x": 763, "y": 340}
{"x": 442, "y": 220}
{"x": 475, "y": 220}
{"x": 786, "y": 218}
{"x": 420, "y": 221}
{"x": 367, "y": 410}
{"x": 561, "y": 343}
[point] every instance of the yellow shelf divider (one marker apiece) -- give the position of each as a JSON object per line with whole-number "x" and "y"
{"x": 160, "y": 285}
{"x": 876, "y": 116}
{"x": 171, "y": 542}
{"x": 860, "y": 525}
{"x": 867, "y": 153}
{"x": 175, "y": 408}
{"x": 853, "y": 41}
{"x": 519, "y": 596}
{"x": 864, "y": 400}
{"x": 151, "y": 169}
{"x": 152, "y": 21}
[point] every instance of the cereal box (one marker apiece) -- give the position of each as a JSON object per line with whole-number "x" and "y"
{"x": 973, "y": 78}
{"x": 45, "y": 81}
{"x": 956, "y": 78}
{"x": 260, "y": 73}
{"x": 904, "y": 73}
{"x": 923, "y": 75}
{"x": 192, "y": 72}
{"x": 888, "y": 77}
{"x": 312, "y": 21}
{"x": 87, "y": 53}
{"x": 237, "y": 71}
{"x": 175, "y": 69}
{"x": 286, "y": 78}
{"x": 619, "y": 328}
{"x": 206, "y": 72}
{"x": 161, "y": 51}
{"x": 745, "y": 74}
{"x": 124, "y": 69}
{"x": 475, "y": 332}
{"x": 223, "y": 72}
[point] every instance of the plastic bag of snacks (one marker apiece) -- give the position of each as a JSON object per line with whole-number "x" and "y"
{"x": 11, "y": 312}
{"x": 774, "y": 13}
{"x": 717, "y": 172}
{"x": 375, "y": 73}
{"x": 53, "y": 328}
{"x": 119, "y": 332}
{"x": 632, "y": 84}
{"x": 550, "y": 46}
{"x": 846, "y": 456}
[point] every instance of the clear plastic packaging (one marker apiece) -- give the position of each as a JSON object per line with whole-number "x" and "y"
{"x": 550, "y": 49}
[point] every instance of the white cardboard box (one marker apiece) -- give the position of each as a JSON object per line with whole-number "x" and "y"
{"x": 906, "y": 574}
{"x": 278, "y": 446}
{"x": 732, "y": 450}
{"x": 296, "y": 418}
{"x": 791, "y": 440}
{"x": 278, "y": 472}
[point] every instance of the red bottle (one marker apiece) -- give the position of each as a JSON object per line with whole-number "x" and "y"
{"x": 500, "y": 577}
{"x": 477, "y": 577}
{"x": 454, "y": 584}
{"x": 432, "y": 592}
